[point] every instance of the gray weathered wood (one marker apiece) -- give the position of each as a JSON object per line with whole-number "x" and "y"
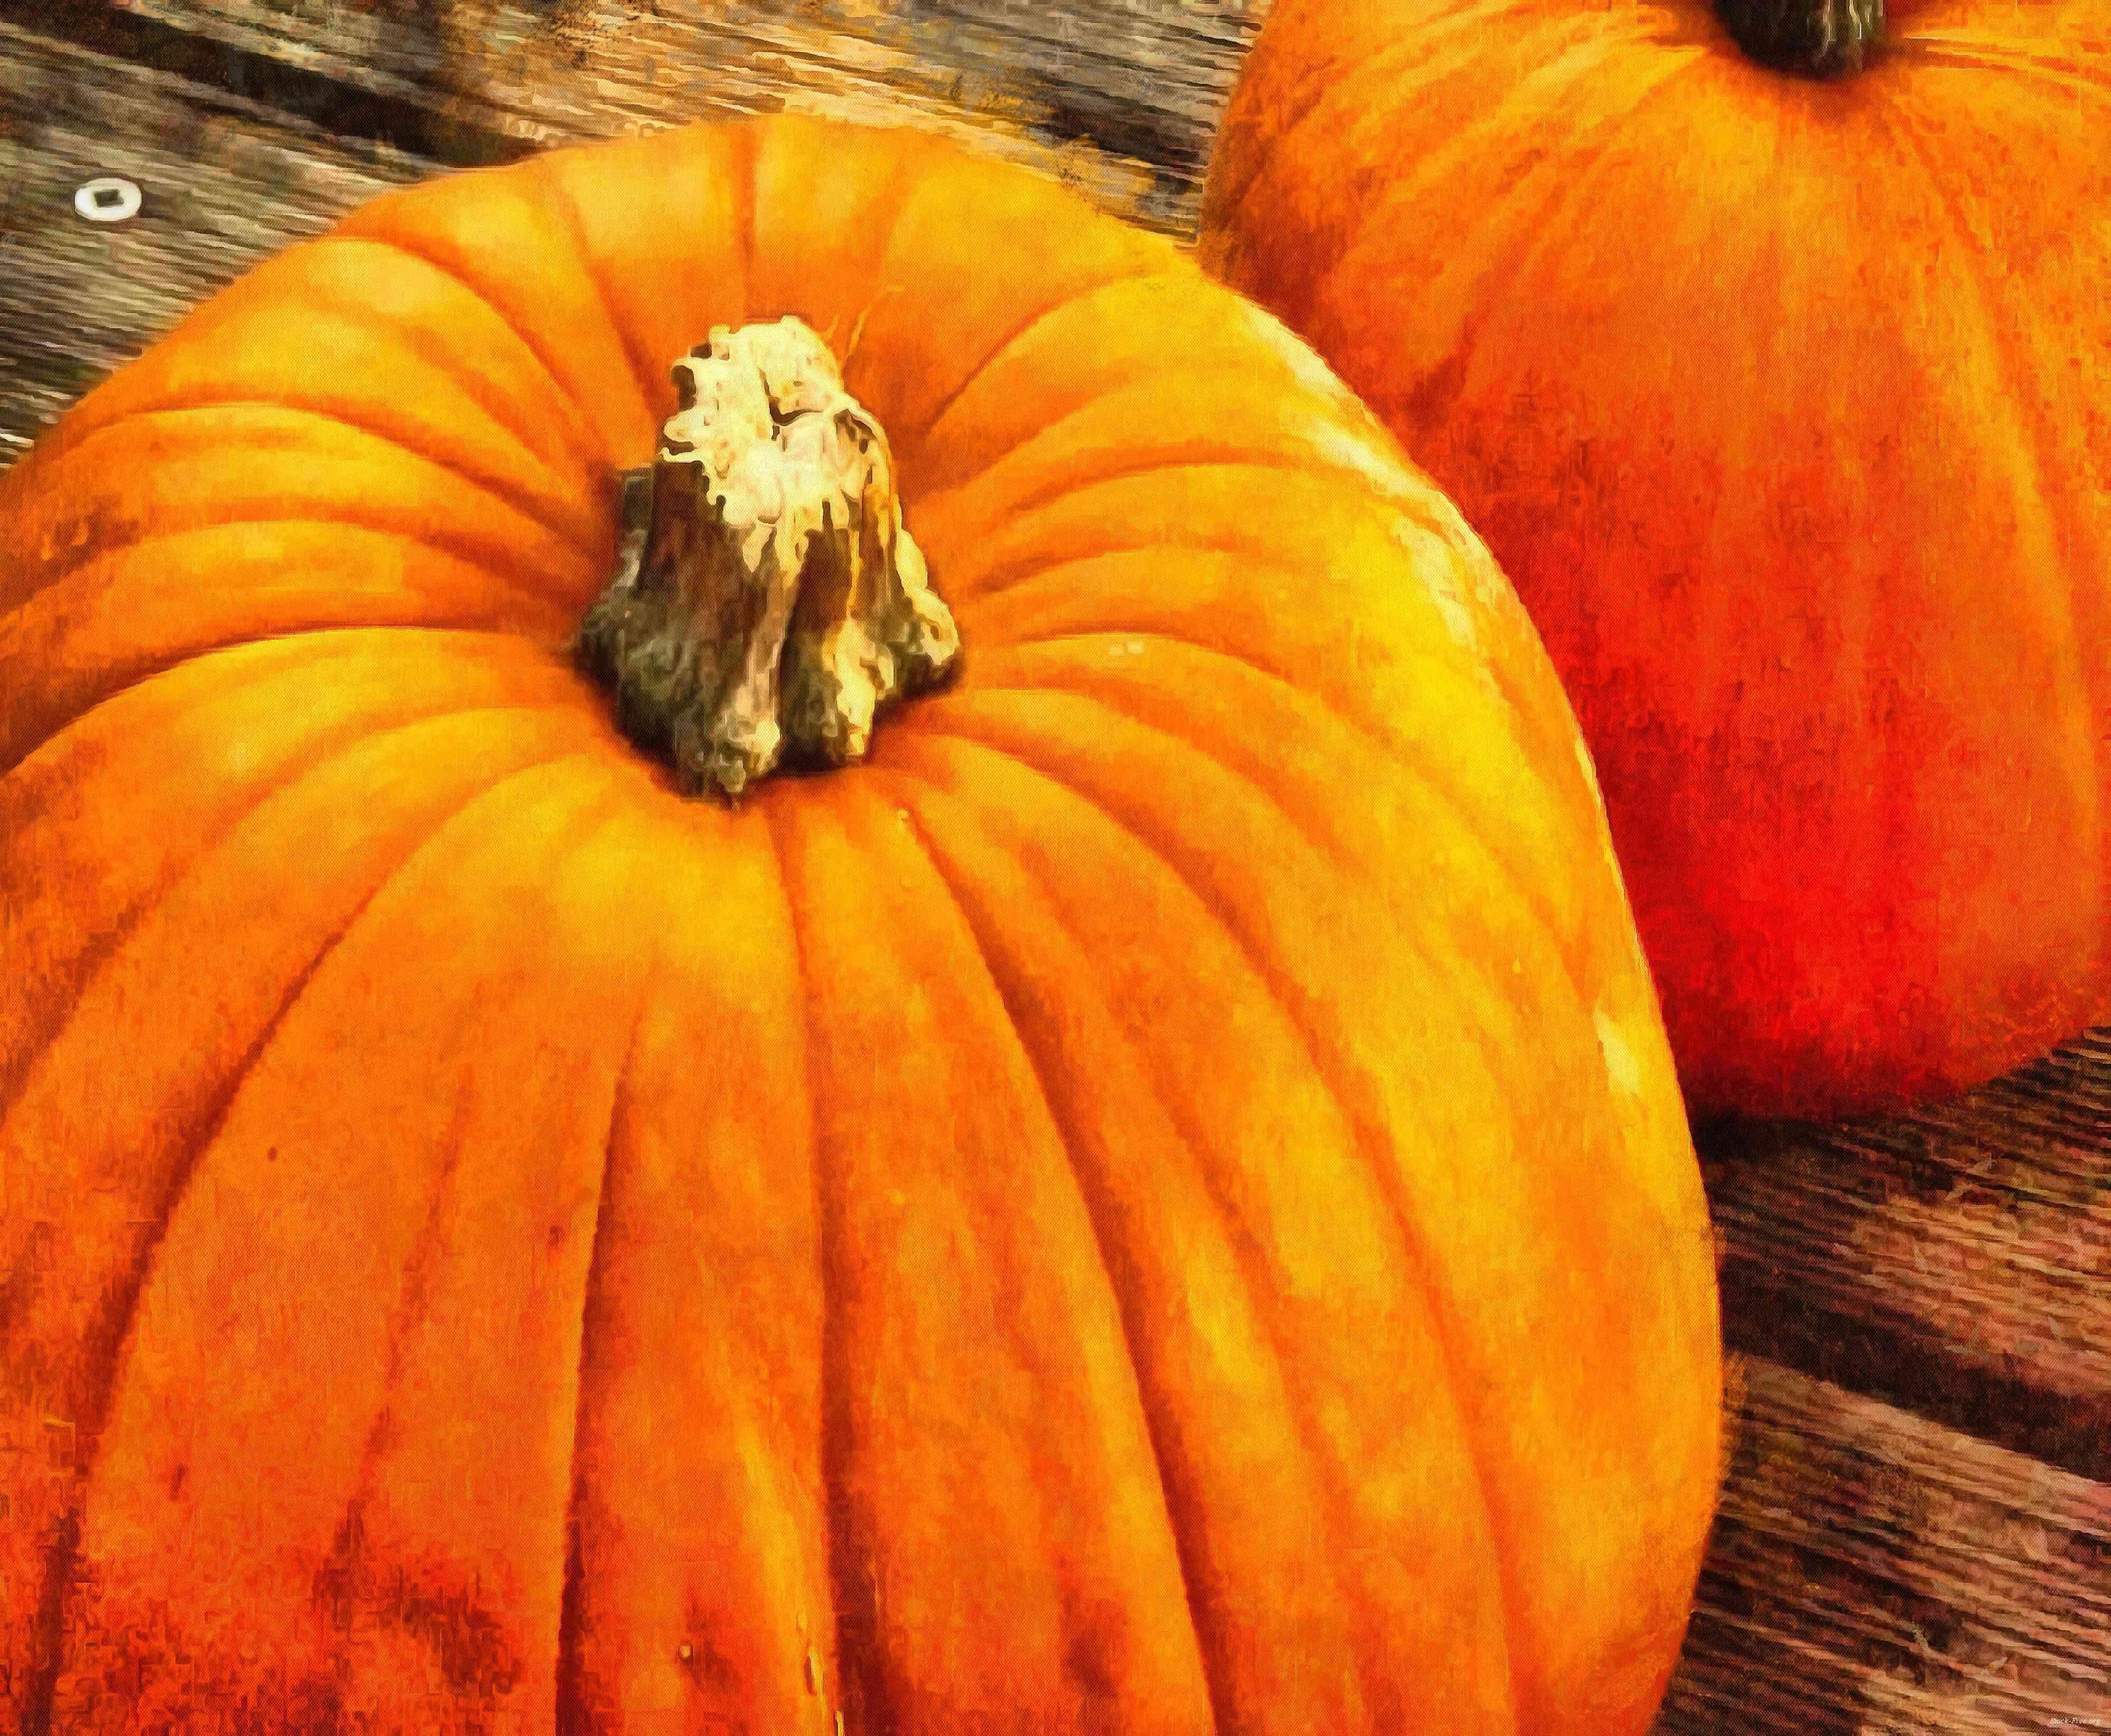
{"x": 223, "y": 185}
{"x": 1874, "y": 1574}
{"x": 1956, "y": 1261}
{"x": 1121, "y": 97}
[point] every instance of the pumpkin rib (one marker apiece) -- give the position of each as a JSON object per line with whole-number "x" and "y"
{"x": 1460, "y": 19}
{"x": 283, "y": 1043}
{"x": 572, "y": 1711}
{"x": 577, "y": 429}
{"x": 1566, "y": 206}
{"x": 107, "y": 942}
{"x": 1320, "y": 1467}
{"x": 441, "y": 537}
{"x": 519, "y": 499}
{"x": 84, "y": 968}
{"x": 113, "y": 1330}
{"x": 2023, "y": 414}
{"x": 1093, "y": 1201}
{"x": 418, "y": 347}
{"x": 1319, "y": 466}
{"x": 1574, "y": 62}
{"x": 744, "y": 150}
{"x": 852, "y": 1601}
{"x": 1546, "y": 926}
{"x": 483, "y": 564}
{"x": 880, "y": 216}
{"x": 1239, "y": 541}
{"x": 410, "y": 1303}
{"x": 49, "y": 1622}
{"x": 1018, "y": 334}
{"x": 1060, "y": 575}
{"x": 130, "y": 674}
{"x": 317, "y": 639}
{"x": 1519, "y": 883}
{"x": 1981, "y": 53}
{"x": 644, "y": 370}
{"x": 1369, "y": 1143}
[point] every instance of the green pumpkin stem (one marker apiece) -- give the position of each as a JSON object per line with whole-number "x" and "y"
{"x": 1822, "y": 39}
{"x": 767, "y": 601}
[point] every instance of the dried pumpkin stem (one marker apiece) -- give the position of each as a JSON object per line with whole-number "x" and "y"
{"x": 1823, "y": 38}
{"x": 774, "y": 601}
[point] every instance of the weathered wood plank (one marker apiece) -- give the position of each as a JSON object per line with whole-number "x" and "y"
{"x": 224, "y": 184}
{"x": 1956, "y": 1262}
{"x": 1872, "y": 1574}
{"x": 1121, "y": 97}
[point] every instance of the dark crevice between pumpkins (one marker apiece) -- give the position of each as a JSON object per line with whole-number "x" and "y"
{"x": 768, "y": 602}
{"x": 1819, "y": 39}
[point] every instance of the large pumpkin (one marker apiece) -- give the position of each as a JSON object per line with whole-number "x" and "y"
{"x": 1783, "y": 399}
{"x": 1159, "y": 1202}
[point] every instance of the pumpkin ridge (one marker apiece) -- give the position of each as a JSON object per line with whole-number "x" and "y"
{"x": 1094, "y": 1207}
{"x": 1011, "y": 339}
{"x": 579, "y": 540}
{"x": 1434, "y": 34}
{"x": 308, "y": 640}
{"x": 880, "y": 213}
{"x": 1061, "y": 578}
{"x": 423, "y": 1255}
{"x": 1320, "y": 1467}
{"x": 441, "y": 540}
{"x": 498, "y": 487}
{"x": 962, "y": 588}
{"x": 1348, "y": 721}
{"x": 12, "y": 626}
{"x": 1316, "y": 465}
{"x": 643, "y": 372}
{"x": 744, "y": 147}
{"x": 1371, "y": 1143}
{"x": 2024, "y": 413}
{"x": 576, "y": 429}
{"x": 85, "y": 966}
{"x": 137, "y": 672}
{"x": 571, "y": 1715}
{"x": 1563, "y": 209}
{"x": 1979, "y": 53}
{"x": 853, "y": 1602}
{"x": 112, "y": 1326}
{"x": 1520, "y": 883}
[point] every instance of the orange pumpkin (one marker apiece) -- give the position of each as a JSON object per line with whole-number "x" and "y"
{"x": 1782, "y": 401}
{"x": 1159, "y": 1202}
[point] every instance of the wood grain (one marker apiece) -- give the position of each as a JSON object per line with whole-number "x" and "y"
{"x": 1956, "y": 1262}
{"x": 1874, "y": 1574}
{"x": 224, "y": 184}
{"x": 1119, "y": 97}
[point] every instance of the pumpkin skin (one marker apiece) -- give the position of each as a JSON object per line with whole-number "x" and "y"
{"x": 1781, "y": 403}
{"x": 1159, "y": 1202}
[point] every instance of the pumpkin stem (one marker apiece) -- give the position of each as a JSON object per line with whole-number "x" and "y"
{"x": 1822, "y": 39}
{"x": 767, "y": 600}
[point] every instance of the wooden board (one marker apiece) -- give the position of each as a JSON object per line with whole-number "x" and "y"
{"x": 1119, "y": 97}
{"x": 1956, "y": 1262}
{"x": 221, "y": 188}
{"x": 1872, "y": 1574}
{"x": 1916, "y": 1526}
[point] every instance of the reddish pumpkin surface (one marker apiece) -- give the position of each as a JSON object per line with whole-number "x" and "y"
{"x": 1787, "y": 406}
{"x": 1161, "y": 1203}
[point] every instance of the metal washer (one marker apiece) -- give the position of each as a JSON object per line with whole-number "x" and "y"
{"x": 108, "y": 198}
